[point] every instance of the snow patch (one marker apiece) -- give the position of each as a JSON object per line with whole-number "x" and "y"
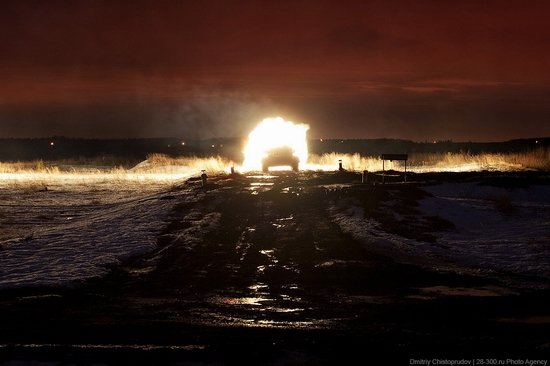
{"x": 485, "y": 240}
{"x": 58, "y": 229}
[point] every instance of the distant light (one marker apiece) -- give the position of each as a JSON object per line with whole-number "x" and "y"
{"x": 435, "y": 142}
{"x": 321, "y": 140}
{"x": 168, "y": 145}
{"x": 51, "y": 143}
{"x": 183, "y": 143}
{"x": 213, "y": 146}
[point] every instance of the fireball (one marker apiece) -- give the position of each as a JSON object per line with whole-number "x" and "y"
{"x": 274, "y": 133}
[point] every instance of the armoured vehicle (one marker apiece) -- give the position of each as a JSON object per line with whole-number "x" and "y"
{"x": 280, "y": 156}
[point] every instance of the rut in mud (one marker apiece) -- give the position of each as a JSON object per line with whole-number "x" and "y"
{"x": 271, "y": 257}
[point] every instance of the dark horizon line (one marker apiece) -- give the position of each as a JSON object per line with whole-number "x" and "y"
{"x": 182, "y": 139}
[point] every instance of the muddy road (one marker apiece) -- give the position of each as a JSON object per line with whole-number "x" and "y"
{"x": 253, "y": 268}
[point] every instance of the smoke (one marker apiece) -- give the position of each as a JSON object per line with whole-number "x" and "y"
{"x": 199, "y": 116}
{"x": 218, "y": 115}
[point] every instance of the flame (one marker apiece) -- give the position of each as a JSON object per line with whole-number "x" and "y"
{"x": 272, "y": 133}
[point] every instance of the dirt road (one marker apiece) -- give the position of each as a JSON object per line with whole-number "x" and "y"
{"x": 254, "y": 268}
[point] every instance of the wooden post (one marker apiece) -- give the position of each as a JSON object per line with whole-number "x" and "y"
{"x": 203, "y": 177}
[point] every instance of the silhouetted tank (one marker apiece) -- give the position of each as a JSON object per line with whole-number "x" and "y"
{"x": 280, "y": 156}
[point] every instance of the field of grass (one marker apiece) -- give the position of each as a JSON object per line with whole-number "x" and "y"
{"x": 538, "y": 159}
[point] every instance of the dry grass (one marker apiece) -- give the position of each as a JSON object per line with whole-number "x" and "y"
{"x": 20, "y": 166}
{"x": 28, "y": 178}
{"x": 353, "y": 162}
{"x": 163, "y": 164}
{"x": 75, "y": 164}
{"x": 503, "y": 203}
{"x": 155, "y": 164}
{"x": 538, "y": 159}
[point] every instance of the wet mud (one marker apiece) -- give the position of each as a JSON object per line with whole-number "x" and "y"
{"x": 253, "y": 269}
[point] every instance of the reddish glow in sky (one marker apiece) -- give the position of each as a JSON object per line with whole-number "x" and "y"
{"x": 418, "y": 70}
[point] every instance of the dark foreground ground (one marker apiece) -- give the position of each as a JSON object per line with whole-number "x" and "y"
{"x": 269, "y": 278}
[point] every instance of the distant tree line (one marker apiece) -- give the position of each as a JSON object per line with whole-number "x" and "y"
{"x": 377, "y": 147}
{"x": 59, "y": 147}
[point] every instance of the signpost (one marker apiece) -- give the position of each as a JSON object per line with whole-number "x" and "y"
{"x": 392, "y": 157}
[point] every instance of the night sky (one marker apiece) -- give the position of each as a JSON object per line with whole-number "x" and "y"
{"x": 466, "y": 70}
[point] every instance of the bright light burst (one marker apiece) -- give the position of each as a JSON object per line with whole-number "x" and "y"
{"x": 272, "y": 133}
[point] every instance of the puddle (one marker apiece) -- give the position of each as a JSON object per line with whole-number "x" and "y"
{"x": 292, "y": 190}
{"x": 254, "y": 301}
{"x": 260, "y": 184}
{"x": 258, "y": 286}
{"x": 269, "y": 254}
{"x": 267, "y": 176}
{"x": 256, "y": 187}
{"x": 281, "y": 222}
{"x": 286, "y": 218}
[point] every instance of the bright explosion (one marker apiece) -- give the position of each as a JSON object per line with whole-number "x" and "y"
{"x": 274, "y": 133}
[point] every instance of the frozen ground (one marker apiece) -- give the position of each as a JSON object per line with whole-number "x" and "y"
{"x": 259, "y": 261}
{"x": 56, "y": 229}
{"x": 497, "y": 232}
{"x": 61, "y": 228}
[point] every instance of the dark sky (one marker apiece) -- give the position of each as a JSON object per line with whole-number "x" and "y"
{"x": 465, "y": 70}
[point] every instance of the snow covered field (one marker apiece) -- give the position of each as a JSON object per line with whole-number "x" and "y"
{"x": 59, "y": 228}
{"x": 510, "y": 241}
{"x": 56, "y": 229}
